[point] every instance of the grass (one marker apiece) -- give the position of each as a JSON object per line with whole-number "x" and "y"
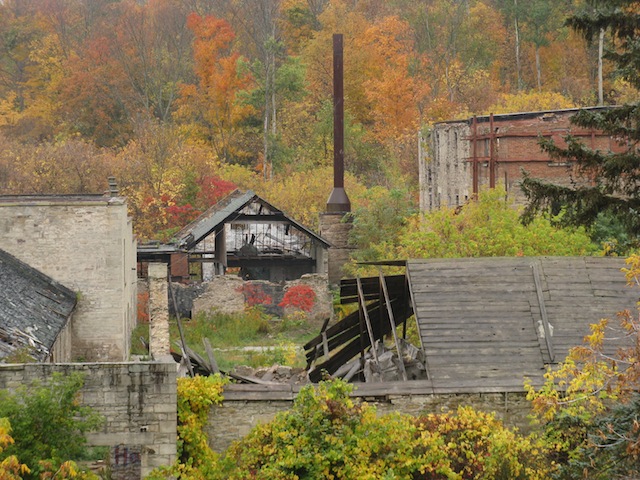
{"x": 230, "y": 333}
{"x": 282, "y": 339}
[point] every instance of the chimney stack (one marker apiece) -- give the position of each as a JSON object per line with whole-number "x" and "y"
{"x": 338, "y": 200}
{"x": 335, "y": 224}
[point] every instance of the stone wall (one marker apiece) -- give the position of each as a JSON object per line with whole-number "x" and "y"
{"x": 335, "y": 230}
{"x": 137, "y": 400}
{"x": 445, "y": 173}
{"x": 159, "y": 337}
{"x": 228, "y": 294}
{"x": 246, "y": 406}
{"x": 86, "y": 243}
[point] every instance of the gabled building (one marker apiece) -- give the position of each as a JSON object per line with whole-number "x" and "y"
{"x": 35, "y": 313}
{"x": 245, "y": 235}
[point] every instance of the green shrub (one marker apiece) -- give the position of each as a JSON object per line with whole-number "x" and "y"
{"x": 328, "y": 435}
{"x": 48, "y": 423}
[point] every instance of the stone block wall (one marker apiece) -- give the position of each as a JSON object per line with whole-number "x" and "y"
{"x": 245, "y": 407}
{"x": 445, "y": 173}
{"x": 86, "y": 243}
{"x": 227, "y": 294}
{"x": 335, "y": 229}
{"x": 137, "y": 400}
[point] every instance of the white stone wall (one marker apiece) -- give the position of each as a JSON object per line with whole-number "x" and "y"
{"x": 87, "y": 244}
{"x": 445, "y": 171}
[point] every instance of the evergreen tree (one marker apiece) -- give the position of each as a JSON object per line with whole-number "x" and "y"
{"x": 609, "y": 181}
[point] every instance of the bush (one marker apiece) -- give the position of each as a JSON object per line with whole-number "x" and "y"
{"x": 328, "y": 435}
{"x": 48, "y": 424}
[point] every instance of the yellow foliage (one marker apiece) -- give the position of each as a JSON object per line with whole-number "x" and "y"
{"x": 532, "y": 101}
{"x": 10, "y": 467}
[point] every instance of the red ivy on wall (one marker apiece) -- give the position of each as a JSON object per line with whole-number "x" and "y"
{"x": 299, "y": 296}
{"x": 143, "y": 307}
{"x": 254, "y": 295}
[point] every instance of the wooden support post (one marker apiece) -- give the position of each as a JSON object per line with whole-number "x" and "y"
{"x": 366, "y": 319}
{"x": 183, "y": 343}
{"x": 392, "y": 321}
{"x": 213, "y": 365}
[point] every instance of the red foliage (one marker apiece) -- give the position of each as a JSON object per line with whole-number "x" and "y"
{"x": 180, "y": 215}
{"x": 254, "y": 295}
{"x": 212, "y": 190}
{"x": 299, "y": 296}
{"x": 143, "y": 307}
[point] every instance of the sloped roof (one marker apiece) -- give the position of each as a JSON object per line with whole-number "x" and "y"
{"x": 482, "y": 320}
{"x": 33, "y": 308}
{"x": 227, "y": 210}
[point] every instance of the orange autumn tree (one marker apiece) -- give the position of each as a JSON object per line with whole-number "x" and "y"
{"x": 212, "y": 107}
{"x": 394, "y": 94}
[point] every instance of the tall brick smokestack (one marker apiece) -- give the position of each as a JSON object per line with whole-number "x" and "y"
{"x": 335, "y": 223}
{"x": 338, "y": 200}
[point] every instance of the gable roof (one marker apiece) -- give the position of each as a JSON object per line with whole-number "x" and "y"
{"x": 33, "y": 308}
{"x": 227, "y": 210}
{"x": 482, "y": 320}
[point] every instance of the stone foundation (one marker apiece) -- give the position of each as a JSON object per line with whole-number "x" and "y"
{"x": 246, "y": 406}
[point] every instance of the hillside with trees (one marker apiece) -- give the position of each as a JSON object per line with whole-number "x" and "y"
{"x": 183, "y": 100}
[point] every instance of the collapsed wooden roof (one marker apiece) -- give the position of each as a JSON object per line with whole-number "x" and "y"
{"x": 33, "y": 309}
{"x": 486, "y": 323}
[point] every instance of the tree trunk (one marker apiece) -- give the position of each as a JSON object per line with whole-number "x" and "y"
{"x": 517, "y": 33}
{"x": 600, "y": 53}
{"x": 538, "y": 68}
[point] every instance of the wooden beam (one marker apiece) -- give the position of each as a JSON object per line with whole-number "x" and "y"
{"x": 367, "y": 321}
{"x": 543, "y": 310}
{"x": 387, "y": 303}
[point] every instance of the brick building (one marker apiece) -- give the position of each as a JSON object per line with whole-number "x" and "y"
{"x": 458, "y": 158}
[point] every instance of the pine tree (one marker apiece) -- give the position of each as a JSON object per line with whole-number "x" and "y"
{"x": 610, "y": 180}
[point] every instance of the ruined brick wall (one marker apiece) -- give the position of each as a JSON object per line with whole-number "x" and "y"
{"x": 446, "y": 171}
{"x": 87, "y": 244}
{"x": 236, "y": 417}
{"x": 137, "y": 400}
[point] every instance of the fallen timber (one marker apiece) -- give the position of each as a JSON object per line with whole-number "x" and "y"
{"x": 383, "y": 305}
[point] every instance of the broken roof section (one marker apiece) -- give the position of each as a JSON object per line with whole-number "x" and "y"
{"x": 248, "y": 234}
{"x": 34, "y": 309}
{"x": 484, "y": 323}
{"x": 236, "y": 207}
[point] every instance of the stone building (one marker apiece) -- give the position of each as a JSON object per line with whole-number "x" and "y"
{"x": 458, "y": 158}
{"x": 86, "y": 243}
